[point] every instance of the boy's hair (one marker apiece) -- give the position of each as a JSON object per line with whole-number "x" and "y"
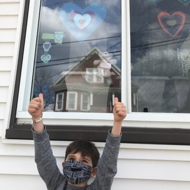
{"x": 86, "y": 148}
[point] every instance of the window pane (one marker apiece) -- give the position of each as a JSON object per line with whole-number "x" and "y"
{"x": 79, "y": 38}
{"x": 85, "y": 98}
{"x": 71, "y": 97}
{"x": 59, "y": 105}
{"x": 85, "y": 106}
{"x": 60, "y": 97}
{"x": 71, "y": 105}
{"x": 160, "y": 56}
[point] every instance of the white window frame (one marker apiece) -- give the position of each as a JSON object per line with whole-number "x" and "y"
{"x": 94, "y": 75}
{"x": 136, "y": 119}
{"x": 67, "y": 101}
{"x": 57, "y": 97}
{"x": 81, "y": 104}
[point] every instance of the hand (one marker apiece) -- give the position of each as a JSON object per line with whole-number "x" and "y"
{"x": 36, "y": 107}
{"x": 119, "y": 111}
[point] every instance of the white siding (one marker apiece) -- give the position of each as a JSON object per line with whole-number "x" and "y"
{"x": 143, "y": 167}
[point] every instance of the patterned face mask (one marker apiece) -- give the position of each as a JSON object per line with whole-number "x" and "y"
{"x": 76, "y": 172}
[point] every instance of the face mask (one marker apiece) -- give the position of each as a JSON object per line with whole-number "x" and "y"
{"x": 76, "y": 172}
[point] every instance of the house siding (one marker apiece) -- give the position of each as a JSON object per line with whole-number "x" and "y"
{"x": 143, "y": 167}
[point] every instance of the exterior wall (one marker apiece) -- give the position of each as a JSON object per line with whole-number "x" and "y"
{"x": 144, "y": 167}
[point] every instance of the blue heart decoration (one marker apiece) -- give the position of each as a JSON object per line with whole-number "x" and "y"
{"x": 81, "y": 23}
{"x": 46, "y": 58}
{"x": 46, "y": 46}
{"x": 185, "y": 2}
{"x": 58, "y": 36}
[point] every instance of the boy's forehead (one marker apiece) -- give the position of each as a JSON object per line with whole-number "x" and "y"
{"x": 79, "y": 155}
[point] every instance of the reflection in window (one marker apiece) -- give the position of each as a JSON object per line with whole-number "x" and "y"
{"x": 71, "y": 101}
{"x": 79, "y": 47}
{"x": 160, "y": 56}
{"x": 59, "y": 102}
{"x": 94, "y": 75}
{"x": 85, "y": 102}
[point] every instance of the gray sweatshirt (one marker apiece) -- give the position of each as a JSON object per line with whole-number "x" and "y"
{"x": 55, "y": 180}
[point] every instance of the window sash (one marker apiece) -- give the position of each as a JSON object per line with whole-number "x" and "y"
{"x": 72, "y": 101}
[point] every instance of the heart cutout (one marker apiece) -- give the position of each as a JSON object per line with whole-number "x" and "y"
{"x": 94, "y": 15}
{"x": 46, "y": 58}
{"x": 153, "y": 2}
{"x": 185, "y": 2}
{"x": 58, "y": 36}
{"x": 46, "y": 46}
{"x": 172, "y": 24}
{"x": 82, "y": 21}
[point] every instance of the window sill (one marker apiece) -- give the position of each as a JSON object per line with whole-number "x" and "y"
{"x": 161, "y": 136}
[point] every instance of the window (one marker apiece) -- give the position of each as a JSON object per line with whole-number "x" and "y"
{"x": 85, "y": 102}
{"x": 59, "y": 101}
{"x": 95, "y": 75}
{"x": 90, "y": 63}
{"x": 71, "y": 100}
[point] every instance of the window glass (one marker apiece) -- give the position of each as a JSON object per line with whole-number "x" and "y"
{"x": 85, "y": 105}
{"x": 160, "y": 57}
{"x": 71, "y": 100}
{"x": 78, "y": 50}
{"x": 59, "y": 100}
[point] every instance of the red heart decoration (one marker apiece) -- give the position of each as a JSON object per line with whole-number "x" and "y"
{"x": 165, "y": 20}
{"x": 46, "y": 46}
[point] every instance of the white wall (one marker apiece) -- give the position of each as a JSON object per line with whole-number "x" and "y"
{"x": 143, "y": 167}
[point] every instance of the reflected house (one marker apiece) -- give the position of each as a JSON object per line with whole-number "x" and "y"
{"x": 84, "y": 86}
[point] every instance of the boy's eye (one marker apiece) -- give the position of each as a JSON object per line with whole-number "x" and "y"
{"x": 85, "y": 161}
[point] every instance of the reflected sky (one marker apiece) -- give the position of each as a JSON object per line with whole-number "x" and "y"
{"x": 160, "y": 45}
{"x": 107, "y": 37}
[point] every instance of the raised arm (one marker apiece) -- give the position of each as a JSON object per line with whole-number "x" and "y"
{"x": 107, "y": 165}
{"x": 46, "y": 162}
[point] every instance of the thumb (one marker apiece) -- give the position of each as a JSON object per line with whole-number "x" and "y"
{"x": 41, "y": 96}
{"x": 115, "y": 100}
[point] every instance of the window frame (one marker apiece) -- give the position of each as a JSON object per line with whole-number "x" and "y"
{"x": 28, "y": 64}
{"x": 147, "y": 128}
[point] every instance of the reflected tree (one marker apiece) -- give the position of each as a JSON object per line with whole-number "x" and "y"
{"x": 42, "y": 84}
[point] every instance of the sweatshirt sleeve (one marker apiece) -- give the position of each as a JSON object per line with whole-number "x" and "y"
{"x": 107, "y": 165}
{"x": 46, "y": 162}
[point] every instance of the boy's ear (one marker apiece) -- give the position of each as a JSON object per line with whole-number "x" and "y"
{"x": 93, "y": 173}
{"x": 63, "y": 164}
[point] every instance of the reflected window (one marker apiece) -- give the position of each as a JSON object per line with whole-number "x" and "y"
{"x": 71, "y": 101}
{"x": 78, "y": 51}
{"x": 160, "y": 56}
{"x": 85, "y": 102}
{"x": 94, "y": 75}
{"x": 59, "y": 101}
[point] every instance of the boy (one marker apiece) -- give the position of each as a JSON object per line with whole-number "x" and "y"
{"x": 81, "y": 156}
